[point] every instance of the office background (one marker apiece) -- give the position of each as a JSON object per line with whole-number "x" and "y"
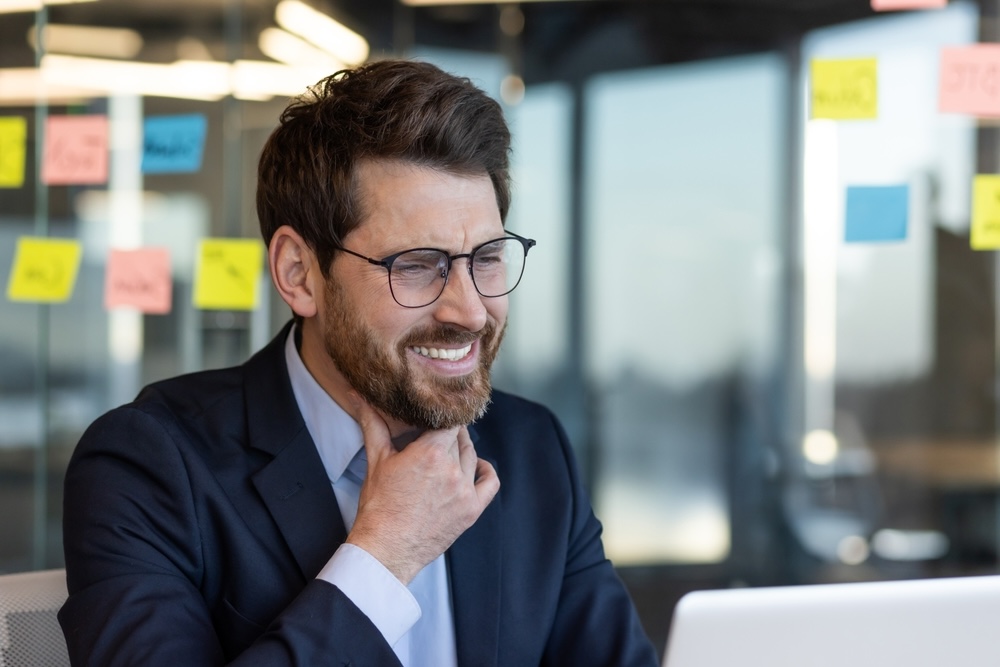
{"x": 756, "y": 394}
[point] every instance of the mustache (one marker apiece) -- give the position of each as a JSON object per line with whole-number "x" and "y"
{"x": 448, "y": 335}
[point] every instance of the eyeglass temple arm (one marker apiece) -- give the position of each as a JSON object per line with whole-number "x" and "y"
{"x": 528, "y": 243}
{"x": 376, "y": 262}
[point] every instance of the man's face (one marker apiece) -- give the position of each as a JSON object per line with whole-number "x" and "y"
{"x": 427, "y": 367}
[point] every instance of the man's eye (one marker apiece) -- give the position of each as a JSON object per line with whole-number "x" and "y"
{"x": 411, "y": 269}
{"x": 419, "y": 265}
{"x": 489, "y": 258}
{"x": 486, "y": 260}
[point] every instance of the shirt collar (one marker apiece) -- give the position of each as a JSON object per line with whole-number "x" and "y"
{"x": 337, "y": 436}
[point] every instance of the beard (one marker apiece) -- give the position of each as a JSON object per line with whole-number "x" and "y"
{"x": 385, "y": 380}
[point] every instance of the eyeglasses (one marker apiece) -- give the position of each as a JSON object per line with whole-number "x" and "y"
{"x": 418, "y": 277}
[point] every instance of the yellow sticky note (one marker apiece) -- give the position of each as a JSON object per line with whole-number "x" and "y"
{"x": 985, "y": 233}
{"x": 844, "y": 89}
{"x": 227, "y": 274}
{"x": 44, "y": 270}
{"x": 13, "y": 135}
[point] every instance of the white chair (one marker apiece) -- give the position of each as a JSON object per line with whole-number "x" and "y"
{"x": 30, "y": 635}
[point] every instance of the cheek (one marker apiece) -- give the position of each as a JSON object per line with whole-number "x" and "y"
{"x": 373, "y": 291}
{"x": 497, "y": 309}
{"x": 392, "y": 324}
{"x": 373, "y": 303}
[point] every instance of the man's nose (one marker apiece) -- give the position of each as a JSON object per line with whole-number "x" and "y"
{"x": 460, "y": 303}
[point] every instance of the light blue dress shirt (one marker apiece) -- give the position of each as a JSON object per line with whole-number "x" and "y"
{"x": 416, "y": 620}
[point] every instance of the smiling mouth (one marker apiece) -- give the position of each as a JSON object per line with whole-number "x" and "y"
{"x": 443, "y": 353}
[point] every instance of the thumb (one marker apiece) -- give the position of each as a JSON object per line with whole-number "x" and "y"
{"x": 487, "y": 482}
{"x": 374, "y": 430}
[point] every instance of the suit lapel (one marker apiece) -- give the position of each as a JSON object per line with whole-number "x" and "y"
{"x": 297, "y": 493}
{"x": 293, "y": 486}
{"x": 474, "y": 566}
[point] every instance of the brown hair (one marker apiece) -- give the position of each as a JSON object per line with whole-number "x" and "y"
{"x": 390, "y": 109}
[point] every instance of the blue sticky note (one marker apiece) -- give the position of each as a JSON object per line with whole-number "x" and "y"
{"x": 877, "y": 213}
{"x": 173, "y": 144}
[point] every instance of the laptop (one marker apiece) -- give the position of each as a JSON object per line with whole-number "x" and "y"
{"x": 953, "y": 622}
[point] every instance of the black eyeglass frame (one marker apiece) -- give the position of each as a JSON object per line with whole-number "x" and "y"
{"x": 386, "y": 263}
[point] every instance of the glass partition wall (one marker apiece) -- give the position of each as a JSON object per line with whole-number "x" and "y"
{"x": 757, "y": 392}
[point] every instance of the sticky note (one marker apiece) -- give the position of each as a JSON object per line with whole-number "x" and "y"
{"x": 75, "y": 150}
{"x": 227, "y": 273}
{"x": 876, "y": 213}
{"x": 844, "y": 89}
{"x": 173, "y": 144}
{"x": 13, "y": 136}
{"x": 44, "y": 269}
{"x": 894, "y": 5}
{"x": 985, "y": 234}
{"x": 138, "y": 279}
{"x": 969, "y": 81}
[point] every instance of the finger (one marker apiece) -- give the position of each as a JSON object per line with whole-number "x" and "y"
{"x": 487, "y": 482}
{"x": 445, "y": 440}
{"x": 374, "y": 430}
{"x": 467, "y": 457}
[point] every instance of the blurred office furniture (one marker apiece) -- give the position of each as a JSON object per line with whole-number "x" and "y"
{"x": 30, "y": 635}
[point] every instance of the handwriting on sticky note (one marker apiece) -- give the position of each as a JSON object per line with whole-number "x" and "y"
{"x": 227, "y": 274}
{"x": 844, "y": 89}
{"x": 76, "y": 150}
{"x": 139, "y": 279}
{"x": 985, "y": 233}
{"x": 894, "y": 5}
{"x": 969, "y": 81}
{"x": 13, "y": 137}
{"x": 44, "y": 270}
{"x": 173, "y": 143}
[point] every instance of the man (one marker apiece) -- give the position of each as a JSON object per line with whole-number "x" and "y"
{"x": 355, "y": 493}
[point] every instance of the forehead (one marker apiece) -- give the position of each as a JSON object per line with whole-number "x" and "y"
{"x": 406, "y": 206}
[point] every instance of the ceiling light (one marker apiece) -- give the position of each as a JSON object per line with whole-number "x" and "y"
{"x": 75, "y": 77}
{"x": 260, "y": 80}
{"x": 316, "y": 27}
{"x": 432, "y": 3}
{"x": 192, "y": 48}
{"x": 23, "y": 86}
{"x": 287, "y": 48}
{"x": 186, "y": 79}
{"x": 11, "y": 6}
{"x": 88, "y": 40}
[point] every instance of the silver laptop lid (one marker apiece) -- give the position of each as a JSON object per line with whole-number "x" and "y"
{"x": 919, "y": 623}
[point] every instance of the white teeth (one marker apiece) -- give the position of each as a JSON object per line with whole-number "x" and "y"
{"x": 442, "y": 353}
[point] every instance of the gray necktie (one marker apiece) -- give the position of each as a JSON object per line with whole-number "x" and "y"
{"x": 355, "y": 474}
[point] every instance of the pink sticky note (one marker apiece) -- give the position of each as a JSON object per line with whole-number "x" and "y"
{"x": 76, "y": 150}
{"x": 138, "y": 279}
{"x": 970, "y": 80}
{"x": 893, "y": 5}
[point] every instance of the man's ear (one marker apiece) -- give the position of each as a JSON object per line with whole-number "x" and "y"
{"x": 294, "y": 271}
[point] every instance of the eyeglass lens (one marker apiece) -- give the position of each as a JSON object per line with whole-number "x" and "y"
{"x": 417, "y": 278}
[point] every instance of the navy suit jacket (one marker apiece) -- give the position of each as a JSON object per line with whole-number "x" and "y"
{"x": 197, "y": 517}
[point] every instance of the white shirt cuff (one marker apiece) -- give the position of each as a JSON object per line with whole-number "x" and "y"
{"x": 374, "y": 590}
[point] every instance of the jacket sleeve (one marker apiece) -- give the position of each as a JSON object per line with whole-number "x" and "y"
{"x": 141, "y": 592}
{"x": 596, "y": 623}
